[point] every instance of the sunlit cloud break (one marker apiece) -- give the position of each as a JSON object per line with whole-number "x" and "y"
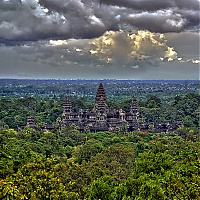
{"x": 133, "y": 48}
{"x": 114, "y": 48}
{"x": 57, "y": 42}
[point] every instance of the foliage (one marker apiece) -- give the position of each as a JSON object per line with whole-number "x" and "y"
{"x": 66, "y": 164}
{"x": 45, "y": 165}
{"x": 35, "y": 180}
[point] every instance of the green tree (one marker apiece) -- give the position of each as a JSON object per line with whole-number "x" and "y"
{"x": 102, "y": 188}
{"x": 87, "y": 150}
{"x": 36, "y": 180}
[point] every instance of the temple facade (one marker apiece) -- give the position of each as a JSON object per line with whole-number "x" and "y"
{"x": 101, "y": 118}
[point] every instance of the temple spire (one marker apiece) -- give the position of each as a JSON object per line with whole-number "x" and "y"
{"x": 100, "y": 100}
{"x": 31, "y": 122}
{"x": 67, "y": 106}
{"x": 134, "y": 110}
{"x": 134, "y": 106}
{"x": 100, "y": 93}
{"x": 67, "y": 111}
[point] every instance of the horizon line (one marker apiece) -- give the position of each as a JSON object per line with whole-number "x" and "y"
{"x": 106, "y": 79}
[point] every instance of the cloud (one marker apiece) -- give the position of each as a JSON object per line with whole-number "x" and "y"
{"x": 150, "y": 5}
{"x": 114, "y": 49}
{"x": 132, "y": 48}
{"x": 159, "y": 21}
{"x": 185, "y": 43}
{"x": 28, "y": 20}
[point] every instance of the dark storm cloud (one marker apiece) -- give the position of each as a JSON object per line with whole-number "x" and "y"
{"x": 189, "y": 4}
{"x": 25, "y": 20}
{"x": 160, "y": 21}
{"x": 150, "y": 5}
{"x": 30, "y": 20}
{"x": 83, "y": 22}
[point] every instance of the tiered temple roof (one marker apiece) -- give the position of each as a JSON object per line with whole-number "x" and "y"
{"x": 67, "y": 106}
{"x": 100, "y": 93}
{"x": 101, "y": 105}
{"x": 31, "y": 122}
{"x": 134, "y": 106}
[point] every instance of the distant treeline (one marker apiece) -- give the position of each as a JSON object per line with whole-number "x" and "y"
{"x": 115, "y": 89}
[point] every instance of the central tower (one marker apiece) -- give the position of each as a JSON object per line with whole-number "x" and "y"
{"x": 101, "y": 109}
{"x": 101, "y": 105}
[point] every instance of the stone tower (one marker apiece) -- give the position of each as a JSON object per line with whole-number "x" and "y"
{"x": 134, "y": 107}
{"x": 101, "y": 105}
{"x": 101, "y": 108}
{"x": 132, "y": 116}
{"x": 67, "y": 111}
{"x": 31, "y": 122}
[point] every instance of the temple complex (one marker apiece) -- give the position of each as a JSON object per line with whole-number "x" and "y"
{"x": 101, "y": 118}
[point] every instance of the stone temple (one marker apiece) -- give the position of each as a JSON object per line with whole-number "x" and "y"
{"x": 101, "y": 118}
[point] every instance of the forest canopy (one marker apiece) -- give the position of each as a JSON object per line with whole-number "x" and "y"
{"x": 67, "y": 164}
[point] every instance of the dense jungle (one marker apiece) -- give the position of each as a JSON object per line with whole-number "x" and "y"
{"x": 66, "y": 164}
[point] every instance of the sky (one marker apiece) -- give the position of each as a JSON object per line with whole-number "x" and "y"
{"x": 99, "y": 39}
